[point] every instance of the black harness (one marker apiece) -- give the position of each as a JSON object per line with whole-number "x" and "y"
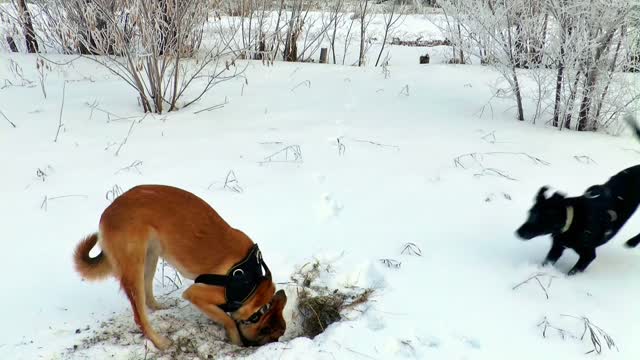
{"x": 241, "y": 281}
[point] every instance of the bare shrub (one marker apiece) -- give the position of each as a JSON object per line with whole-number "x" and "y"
{"x": 154, "y": 46}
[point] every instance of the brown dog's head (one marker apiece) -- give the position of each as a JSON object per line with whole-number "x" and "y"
{"x": 260, "y": 320}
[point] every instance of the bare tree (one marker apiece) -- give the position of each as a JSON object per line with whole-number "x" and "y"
{"x": 27, "y": 26}
{"x": 151, "y": 45}
{"x": 364, "y": 18}
{"x": 392, "y": 15}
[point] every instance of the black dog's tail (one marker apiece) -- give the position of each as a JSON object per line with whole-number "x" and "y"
{"x": 631, "y": 120}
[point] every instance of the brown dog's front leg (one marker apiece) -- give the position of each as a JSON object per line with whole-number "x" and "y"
{"x": 207, "y": 298}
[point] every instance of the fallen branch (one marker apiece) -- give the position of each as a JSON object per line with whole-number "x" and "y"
{"x": 134, "y": 166}
{"x": 596, "y": 334}
{"x": 377, "y": 144}
{"x": 126, "y": 138}
{"x": 306, "y": 82}
{"x": 411, "y": 249}
{"x": 292, "y": 154}
{"x": 113, "y": 193}
{"x": 45, "y": 202}
{"x": 6, "y": 118}
{"x": 390, "y": 263}
{"x": 537, "y": 277}
{"x": 214, "y": 107}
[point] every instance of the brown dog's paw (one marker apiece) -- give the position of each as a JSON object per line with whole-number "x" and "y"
{"x": 162, "y": 343}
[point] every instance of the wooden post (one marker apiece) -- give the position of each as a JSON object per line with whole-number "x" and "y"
{"x": 12, "y": 44}
{"x": 324, "y": 55}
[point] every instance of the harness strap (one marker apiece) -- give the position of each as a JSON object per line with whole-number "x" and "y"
{"x": 241, "y": 281}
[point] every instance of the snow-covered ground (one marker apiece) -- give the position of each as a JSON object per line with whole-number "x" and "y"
{"x": 374, "y": 163}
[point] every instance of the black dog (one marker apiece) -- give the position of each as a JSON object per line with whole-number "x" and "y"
{"x": 583, "y": 223}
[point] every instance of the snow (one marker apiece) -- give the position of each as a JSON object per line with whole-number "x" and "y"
{"x": 389, "y": 181}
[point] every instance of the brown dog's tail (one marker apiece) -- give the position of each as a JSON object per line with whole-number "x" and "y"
{"x": 91, "y": 268}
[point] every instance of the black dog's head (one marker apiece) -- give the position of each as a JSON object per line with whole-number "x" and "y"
{"x": 546, "y": 216}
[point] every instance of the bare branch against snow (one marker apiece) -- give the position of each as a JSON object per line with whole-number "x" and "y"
{"x": 6, "y": 118}
{"x": 60, "y": 124}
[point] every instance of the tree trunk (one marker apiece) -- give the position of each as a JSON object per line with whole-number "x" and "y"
{"x": 362, "y": 32}
{"x": 519, "y": 46}
{"x": 559, "y": 82}
{"x": 612, "y": 69}
{"x": 27, "y": 25}
{"x": 516, "y": 86}
{"x": 461, "y": 52}
{"x": 12, "y": 44}
{"x": 590, "y": 81}
{"x": 572, "y": 98}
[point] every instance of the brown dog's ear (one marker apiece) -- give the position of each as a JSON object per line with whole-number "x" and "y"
{"x": 280, "y": 298}
{"x": 541, "y": 193}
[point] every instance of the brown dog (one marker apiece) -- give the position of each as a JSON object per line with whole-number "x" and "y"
{"x": 152, "y": 221}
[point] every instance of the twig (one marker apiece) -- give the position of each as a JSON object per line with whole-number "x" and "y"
{"x": 306, "y": 82}
{"x": 292, "y": 153}
{"x": 537, "y": 277}
{"x": 45, "y": 202}
{"x": 411, "y": 249}
{"x": 490, "y": 137}
{"x": 214, "y": 107}
{"x": 231, "y": 182}
{"x": 405, "y": 90}
{"x": 124, "y": 141}
{"x": 113, "y": 193}
{"x": 595, "y": 333}
{"x": 390, "y": 263}
{"x": 134, "y": 165}
{"x": 377, "y": 144}
{"x": 6, "y": 118}
{"x": 109, "y": 114}
{"x": 584, "y": 159}
{"x": 64, "y": 86}
{"x": 496, "y": 172}
{"x": 547, "y": 325}
{"x": 341, "y": 147}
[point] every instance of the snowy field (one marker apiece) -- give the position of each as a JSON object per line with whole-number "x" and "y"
{"x": 400, "y": 183}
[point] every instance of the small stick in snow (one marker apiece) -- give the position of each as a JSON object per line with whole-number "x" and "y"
{"x": 490, "y": 137}
{"x": 405, "y": 90}
{"x": 496, "y": 172}
{"x": 545, "y": 324}
{"x": 584, "y": 159}
{"x": 292, "y": 154}
{"x": 124, "y": 141}
{"x": 377, "y": 143}
{"x": 134, "y": 166}
{"x": 45, "y": 202}
{"x": 113, "y": 193}
{"x": 214, "y": 107}
{"x": 595, "y": 333}
{"x": 537, "y": 277}
{"x": 6, "y": 118}
{"x": 231, "y": 182}
{"x": 306, "y": 82}
{"x": 341, "y": 147}
{"x": 64, "y": 86}
{"x": 411, "y": 249}
{"x": 390, "y": 263}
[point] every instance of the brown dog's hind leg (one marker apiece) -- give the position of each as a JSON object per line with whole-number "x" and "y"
{"x": 150, "y": 264}
{"x": 133, "y": 286}
{"x": 206, "y": 299}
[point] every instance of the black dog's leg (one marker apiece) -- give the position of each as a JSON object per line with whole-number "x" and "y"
{"x": 554, "y": 254}
{"x": 586, "y": 257}
{"x": 633, "y": 242}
